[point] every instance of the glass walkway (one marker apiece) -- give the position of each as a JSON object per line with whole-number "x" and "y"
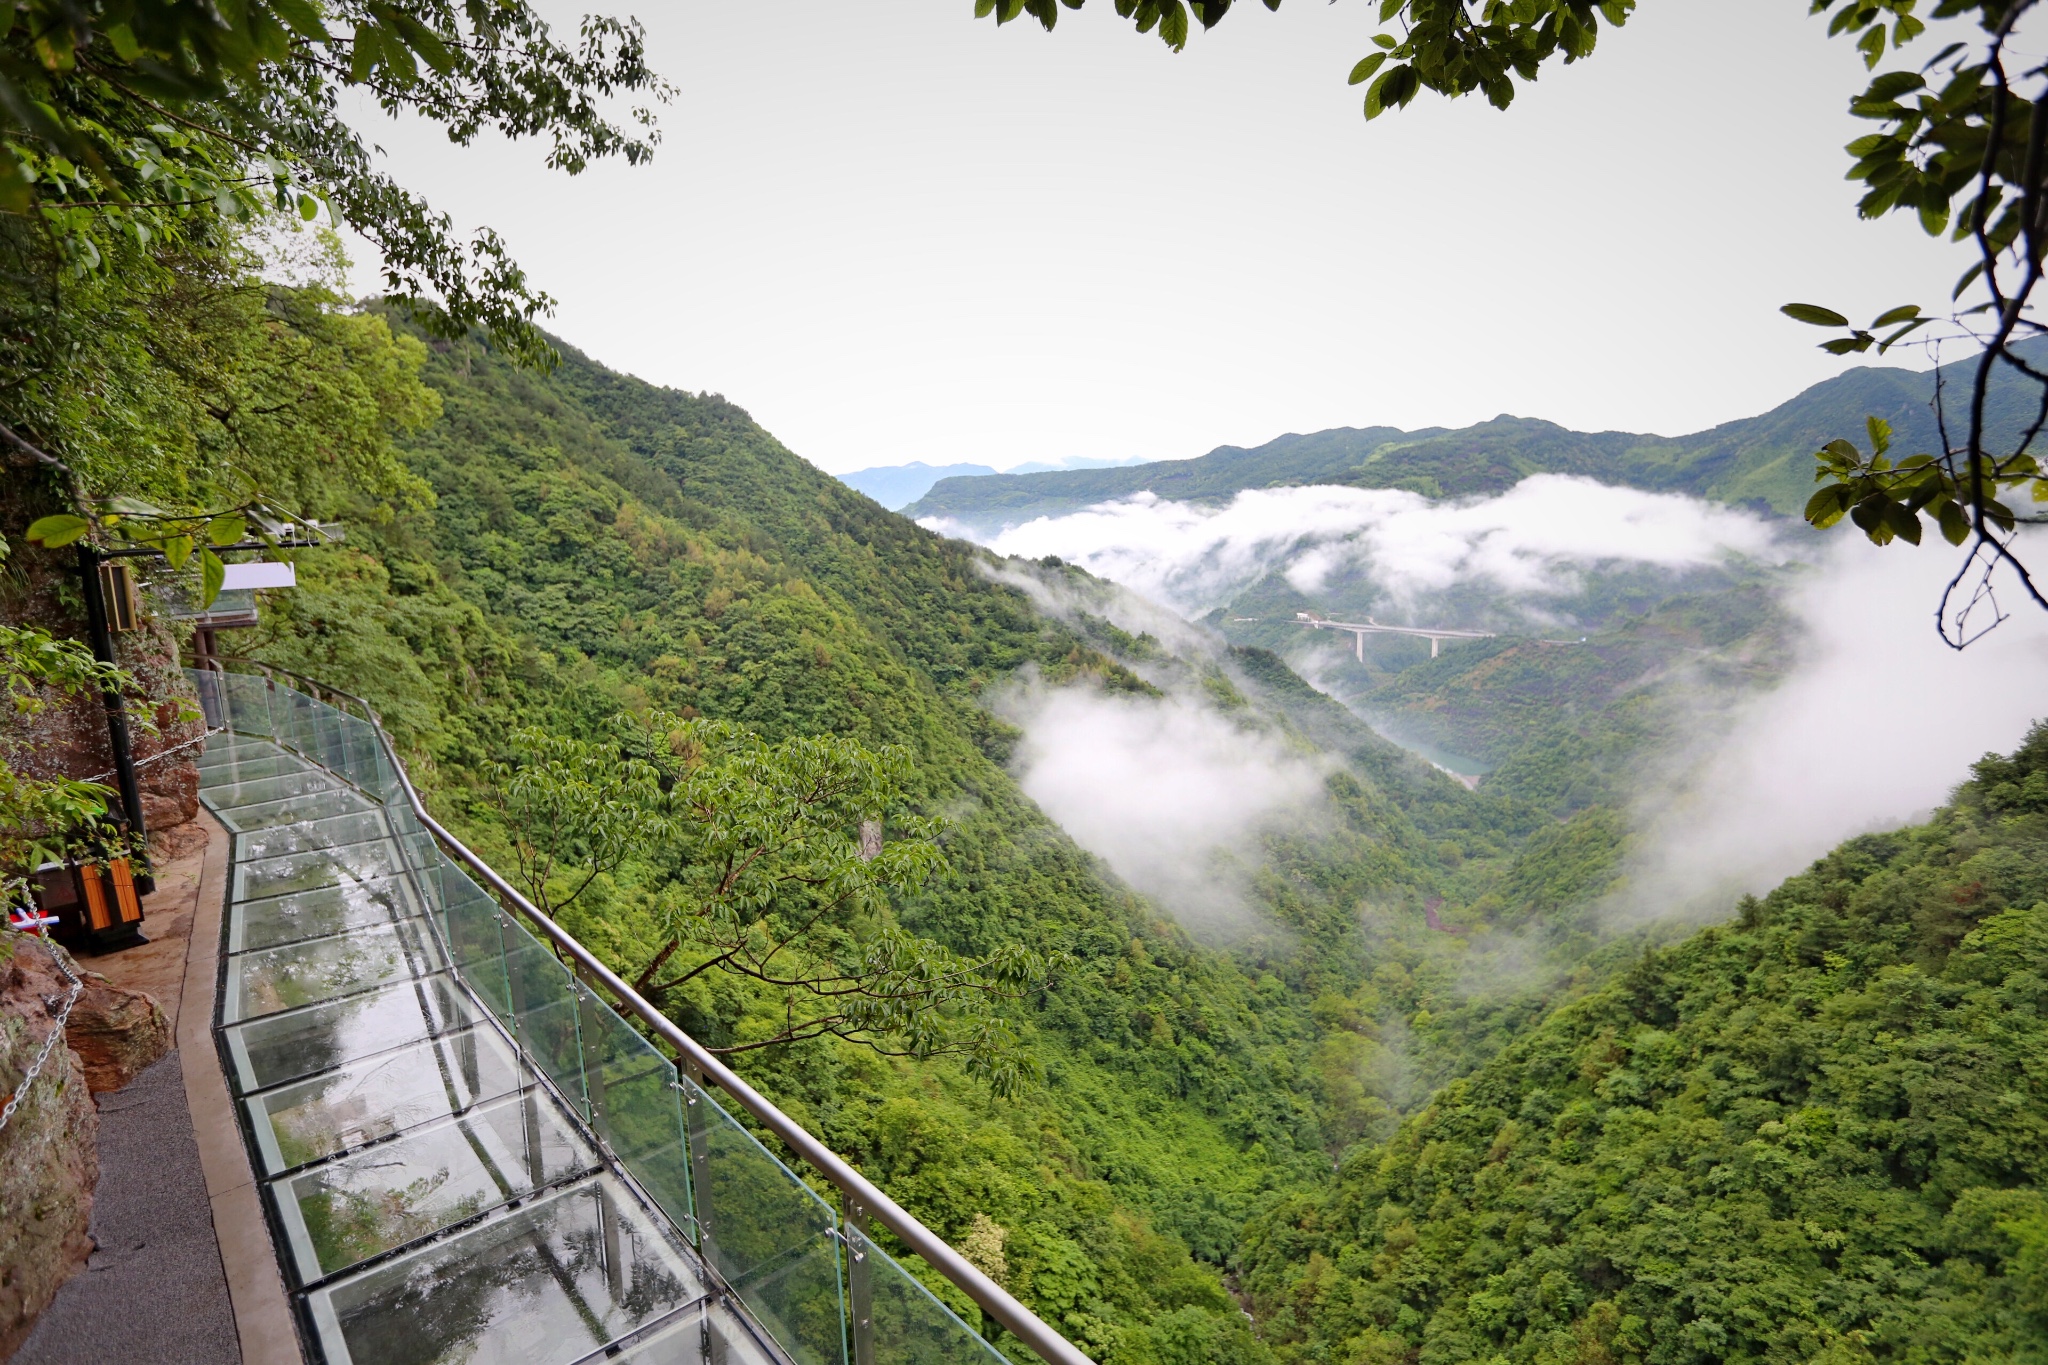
{"x": 466, "y": 1154}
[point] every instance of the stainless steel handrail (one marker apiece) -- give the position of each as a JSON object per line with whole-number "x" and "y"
{"x": 996, "y": 1301}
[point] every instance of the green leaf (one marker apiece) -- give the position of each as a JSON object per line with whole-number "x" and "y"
{"x": 1826, "y": 506}
{"x": 1905, "y": 312}
{"x": 1366, "y": 66}
{"x": 57, "y": 530}
{"x": 1954, "y": 522}
{"x": 302, "y": 17}
{"x": 1880, "y": 434}
{"x": 227, "y": 529}
{"x": 1844, "y": 345}
{"x": 422, "y": 40}
{"x": 212, "y": 573}
{"x": 367, "y": 49}
{"x": 1815, "y": 314}
{"x": 177, "y": 549}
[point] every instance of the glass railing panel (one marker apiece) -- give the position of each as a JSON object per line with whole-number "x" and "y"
{"x": 472, "y": 927}
{"x": 636, "y": 1105}
{"x": 275, "y": 979}
{"x": 248, "y": 704}
{"x": 345, "y": 1211}
{"x": 906, "y": 1322}
{"x": 285, "y": 1047}
{"x": 372, "y": 1098}
{"x": 555, "y": 1280}
{"x": 372, "y": 861}
{"x": 543, "y": 999}
{"x": 328, "y": 910}
{"x": 766, "y": 1232}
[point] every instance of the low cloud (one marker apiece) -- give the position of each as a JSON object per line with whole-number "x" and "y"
{"x": 1531, "y": 540}
{"x": 1874, "y": 725}
{"x": 1169, "y": 792}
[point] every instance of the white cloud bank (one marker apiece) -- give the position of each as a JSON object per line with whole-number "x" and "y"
{"x": 1876, "y": 723}
{"x": 1168, "y": 792}
{"x": 1529, "y": 540}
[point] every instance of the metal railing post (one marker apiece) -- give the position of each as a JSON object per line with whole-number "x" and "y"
{"x": 860, "y": 1284}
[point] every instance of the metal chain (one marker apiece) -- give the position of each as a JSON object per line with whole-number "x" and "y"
{"x": 56, "y": 1034}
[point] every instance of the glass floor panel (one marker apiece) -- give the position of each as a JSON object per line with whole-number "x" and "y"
{"x": 375, "y": 861}
{"x": 275, "y": 979}
{"x": 246, "y": 766}
{"x": 284, "y": 1047}
{"x": 325, "y": 910}
{"x": 220, "y": 748}
{"x": 542, "y": 1284}
{"x": 317, "y": 805}
{"x": 334, "y": 831}
{"x": 372, "y": 1098}
{"x": 262, "y": 790}
{"x": 684, "y": 1339}
{"x": 347, "y": 1210}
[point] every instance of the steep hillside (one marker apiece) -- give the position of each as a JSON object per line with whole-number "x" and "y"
{"x": 1815, "y": 1134}
{"x": 596, "y": 543}
{"x": 1765, "y": 459}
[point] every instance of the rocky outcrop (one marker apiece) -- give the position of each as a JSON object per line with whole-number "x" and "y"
{"x": 48, "y": 1151}
{"x": 115, "y": 1033}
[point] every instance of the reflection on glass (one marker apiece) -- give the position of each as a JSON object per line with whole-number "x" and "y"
{"x": 284, "y": 1047}
{"x": 298, "y": 974}
{"x": 910, "y": 1326}
{"x": 374, "y": 1097}
{"x": 315, "y": 914}
{"x": 546, "y": 1283}
{"x": 358, "y": 1206}
{"x": 765, "y": 1231}
{"x": 335, "y": 831}
{"x": 322, "y": 867}
{"x": 311, "y": 806}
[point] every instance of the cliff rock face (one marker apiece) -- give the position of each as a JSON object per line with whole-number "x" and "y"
{"x": 115, "y": 1033}
{"x": 48, "y": 1151}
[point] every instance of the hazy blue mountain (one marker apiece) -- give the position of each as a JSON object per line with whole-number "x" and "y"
{"x": 896, "y": 486}
{"x": 1766, "y": 459}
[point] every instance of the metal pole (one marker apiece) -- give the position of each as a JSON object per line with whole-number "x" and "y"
{"x": 860, "y": 1283}
{"x": 117, "y": 715}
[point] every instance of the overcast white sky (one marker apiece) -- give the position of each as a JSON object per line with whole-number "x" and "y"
{"x": 894, "y": 233}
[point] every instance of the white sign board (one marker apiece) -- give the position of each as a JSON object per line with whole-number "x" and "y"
{"x": 260, "y": 575}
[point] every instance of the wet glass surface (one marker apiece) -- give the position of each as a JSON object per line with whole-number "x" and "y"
{"x": 374, "y": 1097}
{"x": 262, "y": 790}
{"x": 356, "y": 827}
{"x": 312, "y": 806}
{"x": 274, "y": 979}
{"x": 324, "y": 867}
{"x": 546, "y": 1283}
{"x": 358, "y": 1206}
{"x": 249, "y": 764}
{"x": 325, "y": 910}
{"x": 910, "y": 1326}
{"x": 682, "y": 1339}
{"x": 284, "y": 1047}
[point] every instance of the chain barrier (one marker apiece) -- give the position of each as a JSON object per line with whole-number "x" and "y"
{"x": 56, "y": 1034}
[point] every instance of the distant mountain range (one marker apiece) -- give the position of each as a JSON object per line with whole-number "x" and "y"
{"x": 1764, "y": 460}
{"x": 896, "y": 486}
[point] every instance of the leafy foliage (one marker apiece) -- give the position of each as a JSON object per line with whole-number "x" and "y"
{"x": 156, "y": 121}
{"x": 1813, "y": 1134}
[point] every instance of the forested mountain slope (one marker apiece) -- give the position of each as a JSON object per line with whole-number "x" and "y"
{"x": 596, "y": 543}
{"x": 1817, "y": 1134}
{"x": 1766, "y": 458}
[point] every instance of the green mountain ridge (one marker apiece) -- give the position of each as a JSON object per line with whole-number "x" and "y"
{"x": 597, "y": 543}
{"x": 1764, "y": 460}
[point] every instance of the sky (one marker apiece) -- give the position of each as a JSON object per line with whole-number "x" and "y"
{"x": 892, "y": 232}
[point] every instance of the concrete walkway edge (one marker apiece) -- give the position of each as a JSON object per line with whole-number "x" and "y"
{"x": 263, "y": 1316}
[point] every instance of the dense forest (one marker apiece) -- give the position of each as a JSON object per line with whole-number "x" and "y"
{"x": 1196, "y": 1167}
